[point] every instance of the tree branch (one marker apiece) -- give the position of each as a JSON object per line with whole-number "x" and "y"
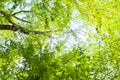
{"x": 12, "y": 28}
{"x": 6, "y": 27}
{"x": 21, "y": 19}
{"x": 15, "y": 27}
{"x": 22, "y": 30}
{"x": 21, "y": 12}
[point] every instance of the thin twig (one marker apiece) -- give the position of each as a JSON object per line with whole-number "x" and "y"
{"x": 22, "y": 19}
{"x": 21, "y": 12}
{"x": 107, "y": 74}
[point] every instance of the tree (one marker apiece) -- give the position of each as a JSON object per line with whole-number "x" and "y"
{"x": 27, "y": 28}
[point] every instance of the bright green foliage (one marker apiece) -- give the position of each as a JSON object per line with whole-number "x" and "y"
{"x": 34, "y": 57}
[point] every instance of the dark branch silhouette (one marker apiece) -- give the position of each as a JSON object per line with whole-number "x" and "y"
{"x": 21, "y": 12}
{"x": 6, "y": 27}
{"x": 22, "y": 19}
{"x": 20, "y": 29}
{"x": 16, "y": 27}
{"x": 12, "y": 28}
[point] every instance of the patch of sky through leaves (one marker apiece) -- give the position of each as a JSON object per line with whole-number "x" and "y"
{"x": 76, "y": 37}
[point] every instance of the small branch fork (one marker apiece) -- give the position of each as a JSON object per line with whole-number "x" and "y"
{"x": 15, "y": 27}
{"x": 22, "y": 19}
{"x": 14, "y": 15}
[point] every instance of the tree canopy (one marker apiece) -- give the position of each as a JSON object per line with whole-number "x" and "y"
{"x": 59, "y": 40}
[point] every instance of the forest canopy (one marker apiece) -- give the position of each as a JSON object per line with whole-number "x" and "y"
{"x": 59, "y": 40}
